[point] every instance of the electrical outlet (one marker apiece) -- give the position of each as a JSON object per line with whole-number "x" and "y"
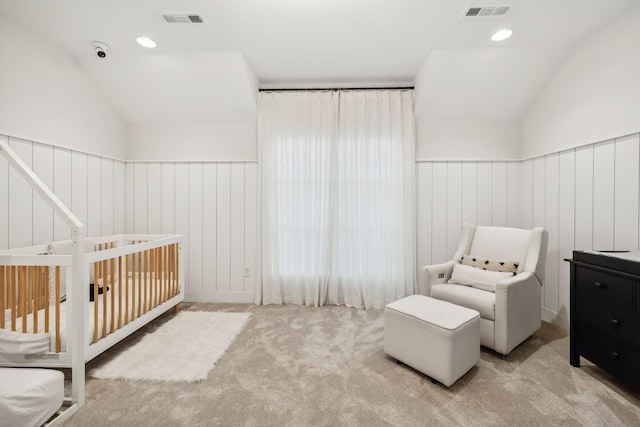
{"x": 246, "y": 271}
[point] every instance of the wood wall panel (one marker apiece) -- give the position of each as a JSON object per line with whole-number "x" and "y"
{"x": 20, "y": 199}
{"x": 424, "y": 213}
{"x": 62, "y": 189}
{"x": 4, "y": 200}
{"x": 499, "y": 194}
{"x": 439, "y": 213}
{"x": 484, "y": 185}
{"x": 209, "y": 226}
{"x": 168, "y": 204}
{"x": 107, "y": 209}
{"x": 140, "y": 197}
{"x": 93, "y": 223}
{"x": 566, "y": 226}
{"x": 627, "y": 173}
{"x": 584, "y": 198}
{"x": 42, "y": 212}
{"x": 182, "y": 215}
{"x": 591, "y": 202}
{"x": 195, "y": 228}
{"x": 92, "y": 187}
{"x": 454, "y": 206}
{"x": 449, "y": 194}
{"x": 551, "y": 211}
{"x": 119, "y": 192}
{"x": 603, "y": 195}
{"x": 154, "y": 198}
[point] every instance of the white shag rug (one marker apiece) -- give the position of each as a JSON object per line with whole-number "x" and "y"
{"x": 184, "y": 349}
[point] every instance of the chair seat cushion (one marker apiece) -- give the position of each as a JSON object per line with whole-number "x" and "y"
{"x": 477, "y": 277}
{"x": 482, "y": 301}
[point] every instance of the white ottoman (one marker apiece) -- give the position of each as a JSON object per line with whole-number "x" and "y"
{"x": 439, "y": 339}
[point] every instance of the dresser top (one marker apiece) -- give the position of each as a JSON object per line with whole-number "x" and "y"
{"x": 628, "y": 262}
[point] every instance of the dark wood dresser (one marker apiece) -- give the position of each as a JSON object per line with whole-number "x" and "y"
{"x": 605, "y": 312}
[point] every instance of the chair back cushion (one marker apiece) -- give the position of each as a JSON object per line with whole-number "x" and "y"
{"x": 527, "y": 247}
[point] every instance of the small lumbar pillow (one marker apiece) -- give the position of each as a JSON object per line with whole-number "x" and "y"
{"x": 477, "y": 277}
{"x": 490, "y": 264}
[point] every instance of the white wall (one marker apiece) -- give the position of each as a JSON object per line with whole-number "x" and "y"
{"x": 594, "y": 97}
{"x": 45, "y": 96}
{"x": 440, "y": 139}
{"x": 92, "y": 186}
{"x": 452, "y": 193}
{"x": 587, "y": 198}
{"x": 214, "y": 204}
{"x": 192, "y": 141}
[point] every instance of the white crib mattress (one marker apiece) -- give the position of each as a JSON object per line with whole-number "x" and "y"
{"x": 29, "y": 397}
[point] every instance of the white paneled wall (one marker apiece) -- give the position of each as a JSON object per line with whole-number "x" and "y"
{"x": 451, "y": 193}
{"x": 92, "y": 186}
{"x": 214, "y": 204}
{"x": 587, "y": 198}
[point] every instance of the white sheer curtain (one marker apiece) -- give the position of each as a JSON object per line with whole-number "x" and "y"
{"x": 337, "y": 197}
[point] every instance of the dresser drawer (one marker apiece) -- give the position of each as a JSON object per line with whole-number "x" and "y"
{"x": 608, "y": 353}
{"x": 607, "y": 287}
{"x": 621, "y": 324}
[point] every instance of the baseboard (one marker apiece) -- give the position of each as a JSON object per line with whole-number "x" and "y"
{"x": 229, "y": 297}
{"x": 555, "y": 319}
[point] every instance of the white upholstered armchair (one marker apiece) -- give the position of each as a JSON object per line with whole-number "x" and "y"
{"x": 499, "y": 272}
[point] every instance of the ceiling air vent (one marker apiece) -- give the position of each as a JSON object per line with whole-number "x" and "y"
{"x": 183, "y": 18}
{"x": 481, "y": 11}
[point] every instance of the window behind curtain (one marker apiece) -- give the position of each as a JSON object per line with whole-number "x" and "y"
{"x": 337, "y": 197}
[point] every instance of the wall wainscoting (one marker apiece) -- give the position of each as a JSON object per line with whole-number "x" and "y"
{"x": 214, "y": 204}
{"x": 92, "y": 186}
{"x": 587, "y": 198}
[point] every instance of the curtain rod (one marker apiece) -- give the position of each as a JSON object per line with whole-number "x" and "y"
{"x": 335, "y": 89}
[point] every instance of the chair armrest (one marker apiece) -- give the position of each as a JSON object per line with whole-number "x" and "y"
{"x": 518, "y": 310}
{"x": 433, "y": 275}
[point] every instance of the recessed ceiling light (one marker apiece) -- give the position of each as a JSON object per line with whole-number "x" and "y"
{"x": 146, "y": 42}
{"x": 500, "y": 35}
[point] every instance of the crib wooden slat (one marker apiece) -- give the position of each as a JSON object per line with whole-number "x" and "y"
{"x": 2, "y": 296}
{"x": 22, "y": 295}
{"x": 165, "y": 283}
{"x": 145, "y": 304}
{"x": 154, "y": 277}
{"x": 177, "y": 270}
{"x": 134, "y": 274}
{"x": 160, "y": 282}
{"x": 119, "y": 292}
{"x": 170, "y": 270}
{"x": 96, "y": 275}
{"x": 12, "y": 295}
{"x": 104, "y": 298}
{"x": 112, "y": 272}
{"x": 140, "y": 269}
{"x": 35, "y": 279}
{"x": 57, "y": 309}
{"x": 126, "y": 288}
{"x": 46, "y": 298}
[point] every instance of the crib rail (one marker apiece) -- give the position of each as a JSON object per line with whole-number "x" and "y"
{"x": 25, "y": 294}
{"x": 139, "y": 273}
{"x": 136, "y": 282}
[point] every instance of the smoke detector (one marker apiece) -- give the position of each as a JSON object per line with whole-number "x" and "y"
{"x": 475, "y": 11}
{"x": 183, "y": 18}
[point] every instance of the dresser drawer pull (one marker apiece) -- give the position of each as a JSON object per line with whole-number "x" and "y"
{"x": 615, "y": 322}
{"x": 599, "y": 285}
{"x": 614, "y": 355}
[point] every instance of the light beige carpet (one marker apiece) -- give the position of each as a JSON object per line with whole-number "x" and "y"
{"x": 296, "y": 366}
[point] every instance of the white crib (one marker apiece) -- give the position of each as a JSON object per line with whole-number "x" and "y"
{"x": 46, "y": 317}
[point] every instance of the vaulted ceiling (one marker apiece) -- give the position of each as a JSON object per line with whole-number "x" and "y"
{"x": 209, "y": 73}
